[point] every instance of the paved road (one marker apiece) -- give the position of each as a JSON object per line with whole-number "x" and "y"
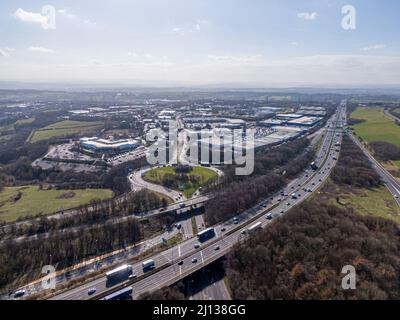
{"x": 137, "y": 183}
{"x": 200, "y": 223}
{"x": 228, "y": 233}
{"x": 391, "y": 116}
{"x": 187, "y": 228}
{"x": 215, "y": 290}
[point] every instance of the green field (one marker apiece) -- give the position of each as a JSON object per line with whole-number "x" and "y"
{"x": 34, "y": 201}
{"x": 376, "y": 202}
{"x": 205, "y": 175}
{"x": 65, "y": 128}
{"x": 376, "y": 127}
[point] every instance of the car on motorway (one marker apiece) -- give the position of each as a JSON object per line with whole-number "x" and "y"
{"x": 19, "y": 293}
{"x": 194, "y": 260}
{"x": 288, "y": 204}
{"x": 243, "y": 232}
{"x": 223, "y": 229}
{"x": 180, "y": 263}
{"x": 282, "y": 211}
{"x": 216, "y": 248}
{"x": 91, "y": 291}
{"x": 132, "y": 276}
{"x": 196, "y": 245}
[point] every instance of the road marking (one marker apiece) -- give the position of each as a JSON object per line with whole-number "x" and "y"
{"x": 179, "y": 251}
{"x": 201, "y": 254}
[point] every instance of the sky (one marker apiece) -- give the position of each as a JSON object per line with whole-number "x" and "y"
{"x": 201, "y": 42}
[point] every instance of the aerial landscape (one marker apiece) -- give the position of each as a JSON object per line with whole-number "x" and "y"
{"x": 177, "y": 150}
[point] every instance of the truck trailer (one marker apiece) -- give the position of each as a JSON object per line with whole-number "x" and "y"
{"x": 121, "y": 272}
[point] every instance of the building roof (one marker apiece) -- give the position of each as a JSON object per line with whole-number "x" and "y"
{"x": 105, "y": 143}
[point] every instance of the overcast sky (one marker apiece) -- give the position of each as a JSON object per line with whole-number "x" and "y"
{"x": 190, "y": 42}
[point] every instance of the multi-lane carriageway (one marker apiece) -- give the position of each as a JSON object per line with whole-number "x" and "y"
{"x": 168, "y": 270}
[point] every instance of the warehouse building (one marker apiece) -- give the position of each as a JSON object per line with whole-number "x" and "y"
{"x": 95, "y": 145}
{"x": 304, "y": 121}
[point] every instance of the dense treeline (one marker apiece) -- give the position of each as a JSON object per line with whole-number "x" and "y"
{"x": 385, "y": 151}
{"x": 302, "y": 254}
{"x": 24, "y": 260}
{"x": 353, "y": 167}
{"x": 395, "y": 113}
{"x": 166, "y": 293}
{"x": 272, "y": 168}
{"x": 268, "y": 159}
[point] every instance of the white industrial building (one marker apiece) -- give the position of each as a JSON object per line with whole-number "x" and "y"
{"x": 107, "y": 146}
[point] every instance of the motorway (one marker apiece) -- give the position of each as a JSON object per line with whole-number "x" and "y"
{"x": 215, "y": 290}
{"x": 228, "y": 233}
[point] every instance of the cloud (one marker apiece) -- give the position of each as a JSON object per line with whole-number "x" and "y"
{"x": 67, "y": 13}
{"x": 32, "y": 17}
{"x": 257, "y": 58}
{"x": 178, "y": 30}
{"x": 40, "y": 49}
{"x": 294, "y": 43}
{"x": 374, "y": 47}
{"x": 6, "y": 52}
{"x": 90, "y": 23}
{"x": 132, "y": 54}
{"x": 181, "y": 31}
{"x": 307, "y": 15}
